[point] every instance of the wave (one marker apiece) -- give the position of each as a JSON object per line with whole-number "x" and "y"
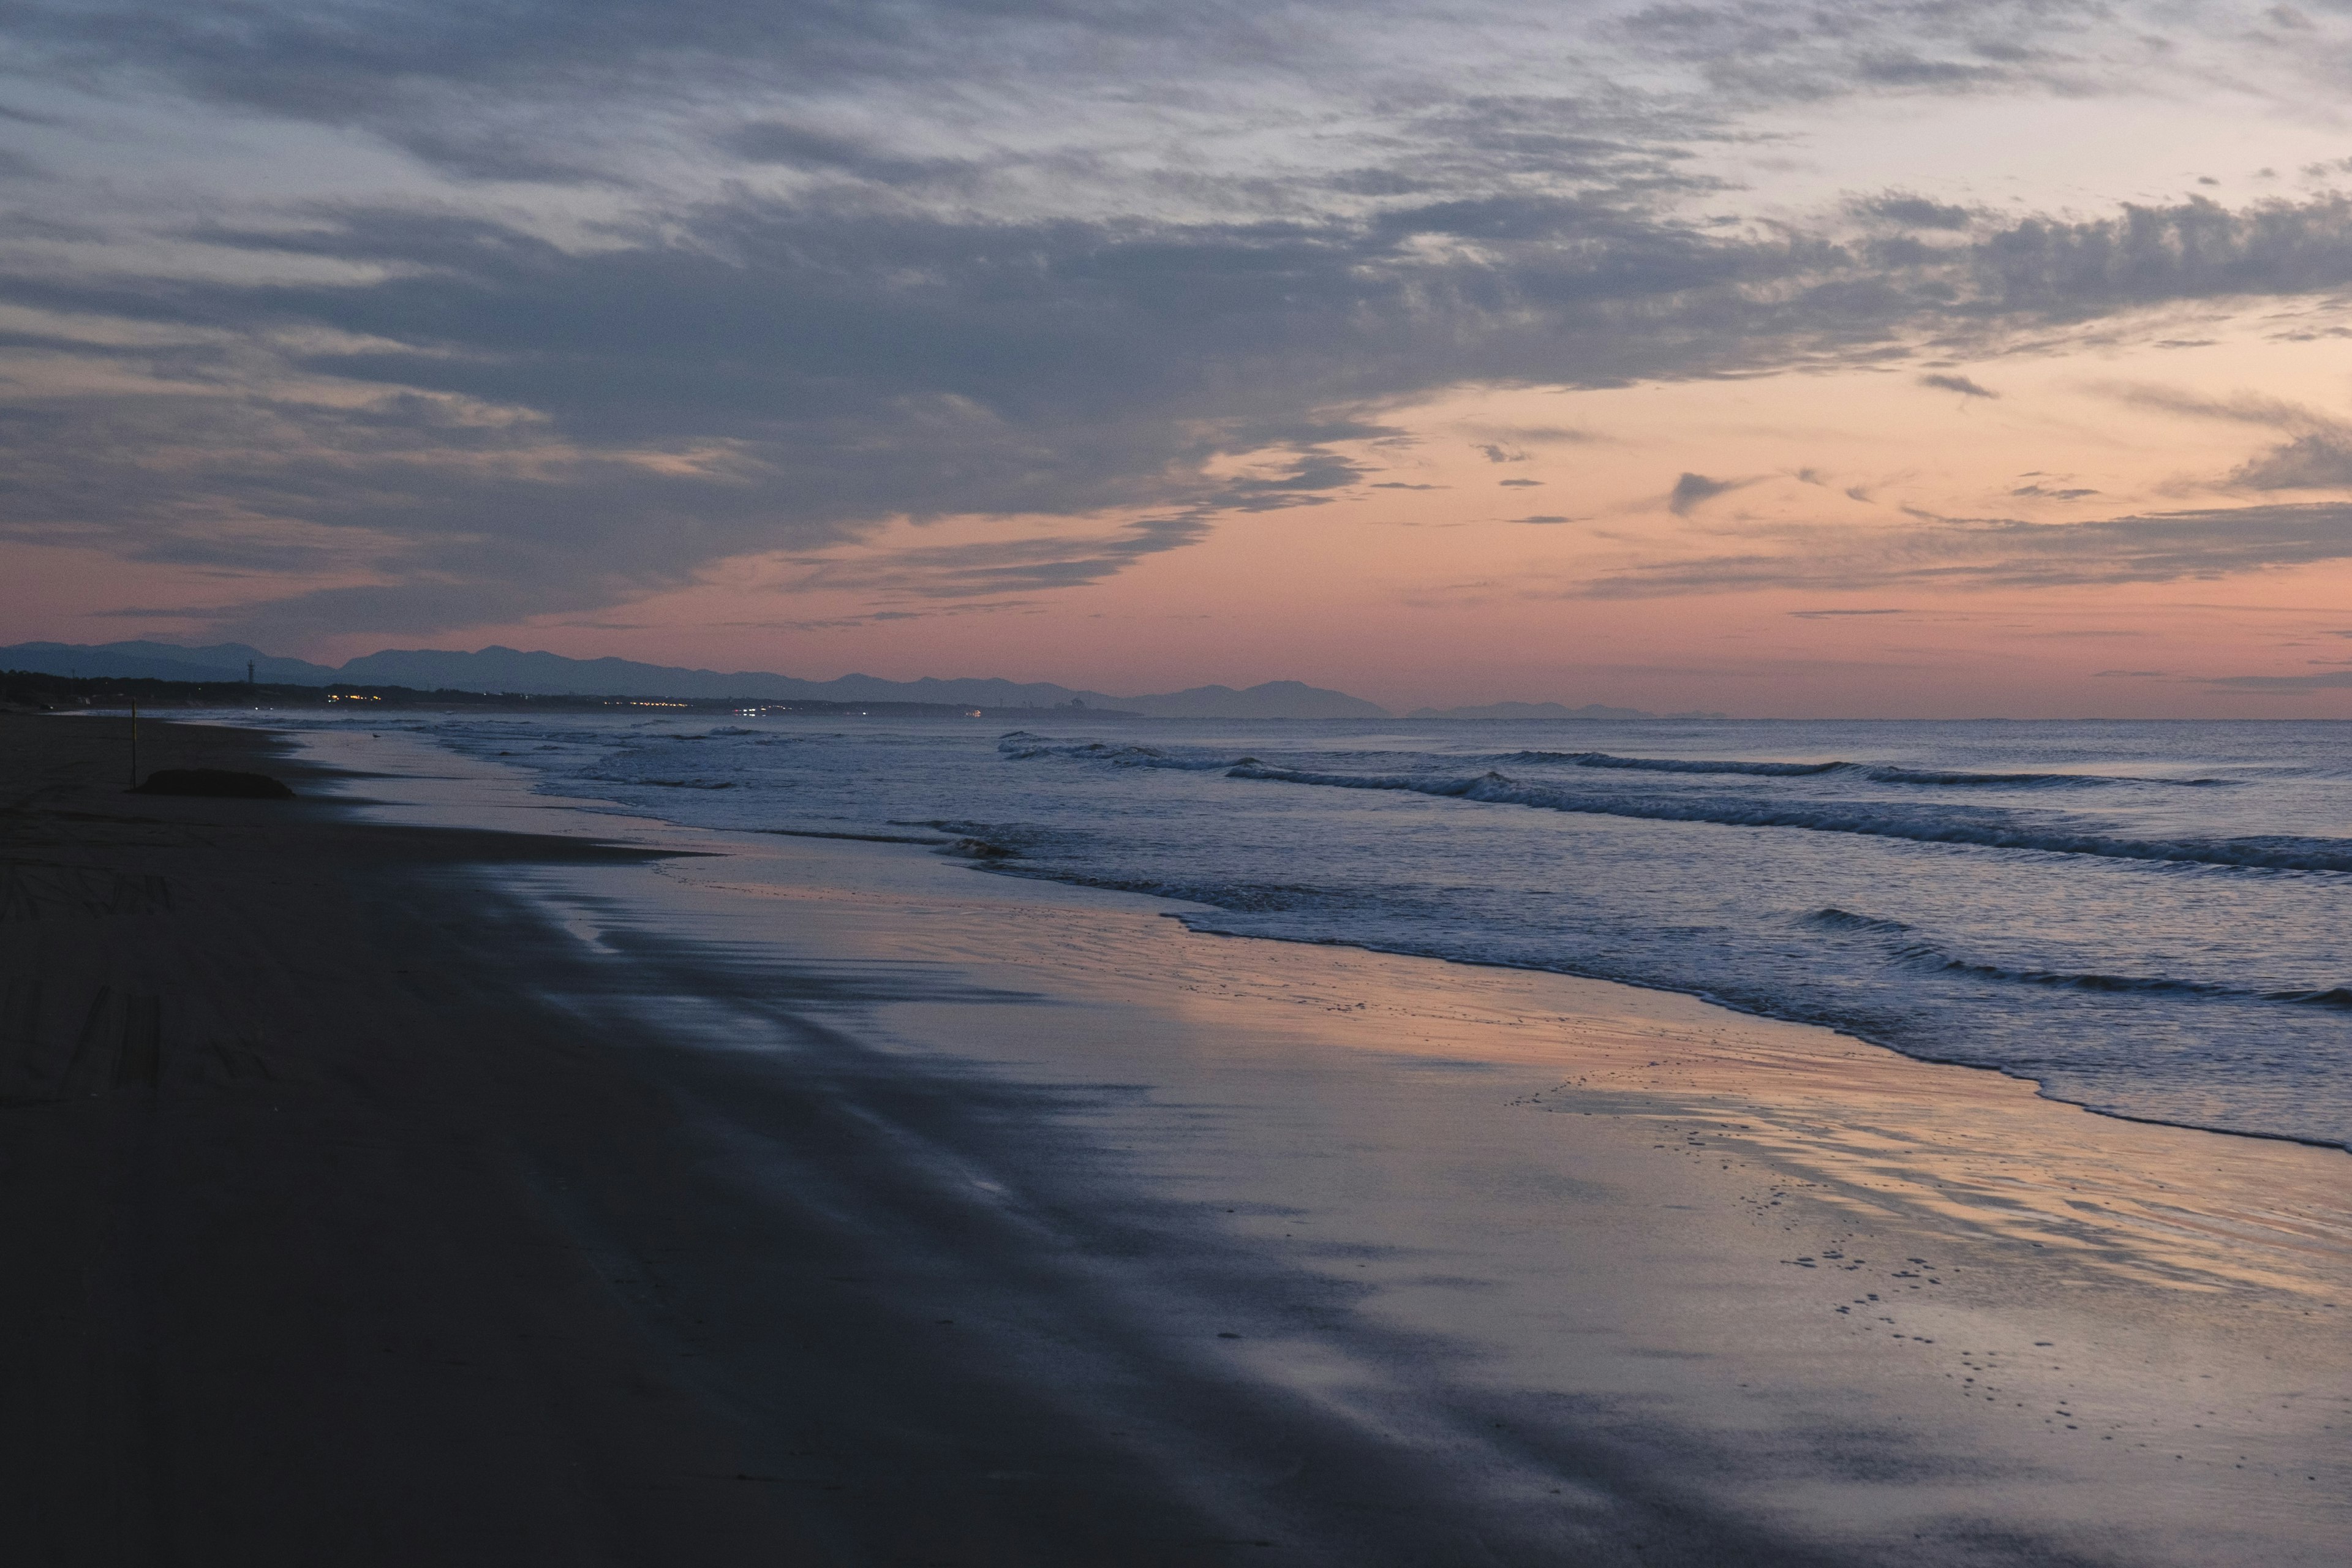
{"x": 1926, "y": 955}
{"x": 1875, "y": 772}
{"x": 1949, "y": 778}
{"x": 1958, "y": 779}
{"x": 1929, "y": 957}
{"x": 1836, "y": 919}
{"x": 2334, "y": 996}
{"x": 1021, "y": 747}
{"x": 1922, "y": 825}
{"x": 1679, "y": 764}
{"x": 639, "y": 781}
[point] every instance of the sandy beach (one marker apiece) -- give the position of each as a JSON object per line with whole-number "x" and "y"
{"x": 424, "y": 1171}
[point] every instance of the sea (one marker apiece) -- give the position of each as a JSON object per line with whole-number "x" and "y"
{"x": 2147, "y": 920}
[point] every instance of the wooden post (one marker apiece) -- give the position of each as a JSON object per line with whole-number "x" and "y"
{"x": 135, "y": 742}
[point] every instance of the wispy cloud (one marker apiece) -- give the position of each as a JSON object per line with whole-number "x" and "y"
{"x": 2284, "y": 685}
{"x": 2316, "y": 454}
{"x": 995, "y": 567}
{"x": 1968, "y": 552}
{"x": 1960, "y": 384}
{"x": 1692, "y": 491}
{"x": 1514, "y": 436}
{"x": 2319, "y": 461}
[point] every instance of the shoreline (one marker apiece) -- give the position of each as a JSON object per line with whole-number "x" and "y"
{"x": 1237, "y": 1242}
{"x": 1709, "y": 998}
{"x": 2153, "y": 1233}
{"x": 1178, "y": 908}
{"x": 1730, "y": 1051}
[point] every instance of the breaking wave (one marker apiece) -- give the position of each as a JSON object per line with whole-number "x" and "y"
{"x": 1836, "y": 918}
{"x": 1954, "y": 778}
{"x": 1928, "y": 956}
{"x": 1021, "y": 746}
{"x": 1678, "y": 764}
{"x": 1985, "y": 829}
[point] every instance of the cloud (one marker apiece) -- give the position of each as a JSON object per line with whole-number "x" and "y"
{"x": 1520, "y": 484}
{"x": 2244, "y": 408}
{"x": 1960, "y": 384}
{"x": 1912, "y": 212}
{"x": 1541, "y": 517}
{"x": 2321, "y": 460}
{"x": 1692, "y": 489}
{"x": 2317, "y": 456}
{"x": 1831, "y": 614}
{"x": 559, "y": 427}
{"x": 1516, "y": 436}
{"x": 1310, "y": 470}
{"x": 845, "y": 622}
{"x": 801, "y": 147}
{"x": 995, "y": 567}
{"x": 763, "y": 277}
{"x": 2284, "y": 685}
{"x": 2002, "y": 553}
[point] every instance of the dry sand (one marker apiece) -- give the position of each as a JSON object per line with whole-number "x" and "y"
{"x": 385, "y": 1190}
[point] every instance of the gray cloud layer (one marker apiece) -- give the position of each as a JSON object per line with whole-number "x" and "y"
{"x": 492, "y": 413}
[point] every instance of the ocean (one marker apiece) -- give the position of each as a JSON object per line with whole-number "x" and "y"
{"x": 2148, "y": 919}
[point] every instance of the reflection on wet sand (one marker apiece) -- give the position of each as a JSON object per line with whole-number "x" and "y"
{"x": 1891, "y": 1293}
{"x": 1406, "y": 1261}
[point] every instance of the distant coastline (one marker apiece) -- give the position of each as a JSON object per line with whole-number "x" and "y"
{"x": 31, "y": 691}
{"x": 504, "y": 672}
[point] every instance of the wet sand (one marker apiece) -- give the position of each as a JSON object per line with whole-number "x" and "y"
{"x": 415, "y": 1193}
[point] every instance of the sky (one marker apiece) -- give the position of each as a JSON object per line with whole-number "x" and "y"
{"x": 1872, "y": 358}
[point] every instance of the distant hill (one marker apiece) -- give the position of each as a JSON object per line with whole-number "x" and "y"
{"x": 1547, "y": 710}
{"x": 1275, "y": 699}
{"x": 496, "y": 669}
{"x": 161, "y": 661}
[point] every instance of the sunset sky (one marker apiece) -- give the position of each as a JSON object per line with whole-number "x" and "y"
{"x": 1860, "y": 358}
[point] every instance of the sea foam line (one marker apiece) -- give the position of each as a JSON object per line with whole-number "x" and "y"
{"x": 1877, "y": 773}
{"x": 2280, "y": 853}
